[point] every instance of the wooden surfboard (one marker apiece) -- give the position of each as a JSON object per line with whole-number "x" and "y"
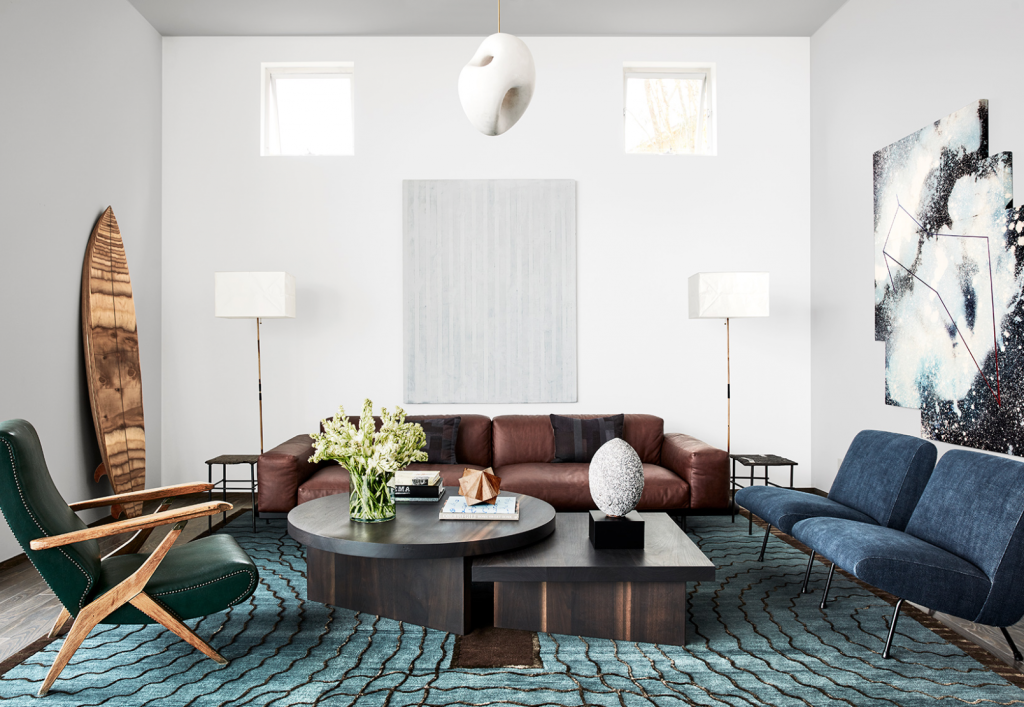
{"x": 112, "y": 362}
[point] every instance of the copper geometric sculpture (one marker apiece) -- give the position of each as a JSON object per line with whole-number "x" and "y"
{"x": 479, "y": 486}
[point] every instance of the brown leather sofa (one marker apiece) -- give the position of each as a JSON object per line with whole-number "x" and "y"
{"x": 681, "y": 473}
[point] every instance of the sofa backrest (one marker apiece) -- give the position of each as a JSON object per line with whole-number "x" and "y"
{"x": 522, "y": 439}
{"x": 883, "y": 475}
{"x": 472, "y": 444}
{"x": 973, "y": 507}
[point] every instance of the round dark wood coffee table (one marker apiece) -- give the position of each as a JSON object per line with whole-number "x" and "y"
{"x": 414, "y": 568}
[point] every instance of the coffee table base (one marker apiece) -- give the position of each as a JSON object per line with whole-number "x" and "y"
{"x": 433, "y": 592}
{"x": 651, "y": 612}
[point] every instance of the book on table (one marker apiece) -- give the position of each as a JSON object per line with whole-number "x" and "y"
{"x": 416, "y": 478}
{"x": 405, "y": 498}
{"x": 419, "y": 491}
{"x": 420, "y": 485}
{"x": 503, "y": 508}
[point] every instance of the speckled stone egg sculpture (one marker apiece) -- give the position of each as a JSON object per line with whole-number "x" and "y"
{"x": 616, "y": 478}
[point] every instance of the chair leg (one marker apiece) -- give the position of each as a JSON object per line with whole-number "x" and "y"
{"x": 828, "y": 585}
{"x": 764, "y": 543}
{"x": 144, "y": 603}
{"x": 93, "y": 613}
{"x": 85, "y": 623}
{"x": 59, "y": 623}
{"x": 892, "y": 629}
{"x": 1013, "y": 646}
{"x": 807, "y": 575}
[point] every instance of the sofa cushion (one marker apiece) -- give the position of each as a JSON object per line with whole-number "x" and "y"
{"x": 577, "y": 440}
{"x": 644, "y": 433}
{"x": 784, "y": 508}
{"x": 566, "y": 486}
{"x": 883, "y": 474}
{"x": 333, "y": 479}
{"x": 473, "y": 443}
{"x": 899, "y": 563}
{"x": 441, "y": 434}
{"x": 520, "y": 439}
{"x": 973, "y": 507}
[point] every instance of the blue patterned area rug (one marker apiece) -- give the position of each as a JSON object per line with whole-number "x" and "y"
{"x": 753, "y": 641}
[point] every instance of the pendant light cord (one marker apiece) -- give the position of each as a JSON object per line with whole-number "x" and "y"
{"x": 499, "y": 16}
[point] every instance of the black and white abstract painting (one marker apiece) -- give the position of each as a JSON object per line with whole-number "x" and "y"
{"x": 949, "y": 251}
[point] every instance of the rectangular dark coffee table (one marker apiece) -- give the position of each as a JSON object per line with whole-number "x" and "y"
{"x": 563, "y": 585}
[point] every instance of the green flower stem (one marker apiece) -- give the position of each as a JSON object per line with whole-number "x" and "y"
{"x": 371, "y": 500}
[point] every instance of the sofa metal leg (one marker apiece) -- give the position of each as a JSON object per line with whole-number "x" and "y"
{"x": 764, "y": 544}
{"x": 807, "y": 574}
{"x": 1013, "y": 646}
{"x": 828, "y": 585}
{"x": 892, "y": 629}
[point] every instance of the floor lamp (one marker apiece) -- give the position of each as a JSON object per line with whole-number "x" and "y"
{"x": 728, "y": 295}
{"x": 254, "y": 295}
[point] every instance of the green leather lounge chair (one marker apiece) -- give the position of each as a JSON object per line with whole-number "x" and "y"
{"x": 167, "y": 586}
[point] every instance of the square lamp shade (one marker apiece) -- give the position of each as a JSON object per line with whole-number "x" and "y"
{"x": 724, "y": 295}
{"x": 248, "y": 295}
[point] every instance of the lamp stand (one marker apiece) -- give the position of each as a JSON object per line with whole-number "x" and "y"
{"x": 728, "y": 395}
{"x": 259, "y": 378}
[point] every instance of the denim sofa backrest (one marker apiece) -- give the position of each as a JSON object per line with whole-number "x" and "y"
{"x": 973, "y": 508}
{"x": 883, "y": 475}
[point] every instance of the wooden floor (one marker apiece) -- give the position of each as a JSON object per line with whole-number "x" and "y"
{"x": 28, "y": 608}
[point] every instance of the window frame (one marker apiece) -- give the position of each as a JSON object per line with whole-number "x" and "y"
{"x": 270, "y": 71}
{"x": 676, "y": 70}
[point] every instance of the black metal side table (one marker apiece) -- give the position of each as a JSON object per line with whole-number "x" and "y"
{"x": 224, "y": 485}
{"x": 752, "y": 461}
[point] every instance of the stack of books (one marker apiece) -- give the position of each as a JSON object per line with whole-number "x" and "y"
{"x": 503, "y": 508}
{"x": 417, "y": 487}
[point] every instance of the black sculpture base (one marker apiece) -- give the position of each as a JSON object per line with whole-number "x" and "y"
{"x": 616, "y": 533}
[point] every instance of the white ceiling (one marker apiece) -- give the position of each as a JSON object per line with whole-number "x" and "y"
{"x": 529, "y": 18}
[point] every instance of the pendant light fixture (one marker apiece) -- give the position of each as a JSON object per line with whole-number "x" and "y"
{"x": 496, "y": 86}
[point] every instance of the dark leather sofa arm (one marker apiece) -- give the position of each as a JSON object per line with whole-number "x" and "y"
{"x": 703, "y": 467}
{"x": 282, "y": 470}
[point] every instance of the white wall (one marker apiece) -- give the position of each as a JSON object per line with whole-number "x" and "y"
{"x": 880, "y": 71}
{"x": 79, "y": 130}
{"x": 644, "y": 224}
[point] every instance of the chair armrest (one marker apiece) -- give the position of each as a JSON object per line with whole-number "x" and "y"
{"x": 126, "y": 526}
{"x": 145, "y": 495}
{"x": 703, "y": 467}
{"x": 282, "y": 470}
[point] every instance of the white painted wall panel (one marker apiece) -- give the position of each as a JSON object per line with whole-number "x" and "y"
{"x": 644, "y": 224}
{"x": 881, "y": 71}
{"x": 79, "y": 131}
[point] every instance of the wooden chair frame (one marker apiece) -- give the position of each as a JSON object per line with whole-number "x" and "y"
{"x": 130, "y": 590}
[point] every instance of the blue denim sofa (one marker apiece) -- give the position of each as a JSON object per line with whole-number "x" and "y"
{"x": 962, "y": 552}
{"x": 879, "y": 482}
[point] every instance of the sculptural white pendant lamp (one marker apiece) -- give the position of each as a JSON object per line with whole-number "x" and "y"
{"x": 496, "y": 86}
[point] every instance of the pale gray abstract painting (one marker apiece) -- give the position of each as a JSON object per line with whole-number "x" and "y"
{"x": 489, "y": 291}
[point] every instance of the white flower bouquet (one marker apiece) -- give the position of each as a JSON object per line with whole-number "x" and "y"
{"x": 371, "y": 456}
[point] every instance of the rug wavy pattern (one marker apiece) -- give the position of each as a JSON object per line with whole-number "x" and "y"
{"x": 753, "y": 641}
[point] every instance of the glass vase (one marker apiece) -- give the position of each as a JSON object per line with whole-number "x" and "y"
{"x": 370, "y": 498}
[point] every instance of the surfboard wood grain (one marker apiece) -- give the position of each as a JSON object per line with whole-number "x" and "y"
{"x": 111, "y": 343}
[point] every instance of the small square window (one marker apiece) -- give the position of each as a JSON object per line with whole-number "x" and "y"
{"x": 307, "y": 109}
{"x": 668, "y": 110}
